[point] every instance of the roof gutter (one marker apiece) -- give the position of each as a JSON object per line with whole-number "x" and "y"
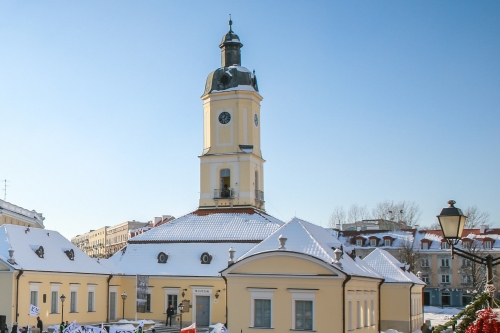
{"x": 17, "y": 292}
{"x": 380, "y": 305}
{"x": 347, "y": 279}
{"x": 225, "y": 281}
{"x": 107, "y": 298}
{"x": 411, "y": 313}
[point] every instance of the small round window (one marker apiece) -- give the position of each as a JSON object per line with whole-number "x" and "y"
{"x": 205, "y": 258}
{"x": 224, "y": 79}
{"x": 162, "y": 258}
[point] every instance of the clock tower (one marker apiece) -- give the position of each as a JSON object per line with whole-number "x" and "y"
{"x": 231, "y": 165}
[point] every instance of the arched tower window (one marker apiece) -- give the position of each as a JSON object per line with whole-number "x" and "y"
{"x": 225, "y": 183}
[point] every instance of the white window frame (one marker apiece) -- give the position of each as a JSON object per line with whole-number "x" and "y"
{"x": 425, "y": 262}
{"x": 73, "y": 288}
{"x": 54, "y": 287}
{"x": 443, "y": 278}
{"x": 260, "y": 293}
{"x": 425, "y": 279}
{"x": 359, "y": 242}
{"x": 425, "y": 245}
{"x": 373, "y": 242}
{"x": 304, "y": 295}
{"x": 387, "y": 242}
{"x": 91, "y": 289}
{"x": 170, "y": 291}
{"x": 445, "y": 262}
{"x": 445, "y": 246}
{"x": 35, "y": 287}
{"x": 487, "y": 245}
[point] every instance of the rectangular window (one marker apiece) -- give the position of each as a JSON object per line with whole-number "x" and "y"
{"x": 425, "y": 246}
{"x": 425, "y": 278}
{"x": 350, "y": 315}
{"x": 358, "y": 313}
{"x": 54, "y": 301}
{"x": 425, "y": 262}
{"x": 359, "y": 242}
{"x": 373, "y": 242}
{"x": 487, "y": 245}
{"x": 73, "y": 302}
{"x": 445, "y": 278}
{"x": 365, "y": 312}
{"x": 262, "y": 313}
{"x": 172, "y": 300}
{"x": 372, "y": 313}
{"x": 91, "y": 302}
{"x": 148, "y": 302}
{"x": 34, "y": 297}
{"x": 387, "y": 242}
{"x": 303, "y": 315}
{"x": 445, "y": 262}
{"x": 444, "y": 245}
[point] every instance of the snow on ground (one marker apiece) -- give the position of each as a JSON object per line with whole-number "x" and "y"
{"x": 439, "y": 316}
{"x": 436, "y": 315}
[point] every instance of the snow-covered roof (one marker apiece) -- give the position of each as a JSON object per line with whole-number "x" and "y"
{"x": 223, "y": 225}
{"x": 313, "y": 240}
{"x": 389, "y": 267}
{"x": 184, "y": 259}
{"x": 399, "y": 238}
{"x": 436, "y": 236}
{"x": 25, "y": 241}
{"x": 29, "y": 216}
{"x": 185, "y": 239}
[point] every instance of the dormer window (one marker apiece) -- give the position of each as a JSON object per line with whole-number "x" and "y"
{"x": 359, "y": 242}
{"x": 162, "y": 258}
{"x": 425, "y": 244}
{"x": 38, "y": 249}
{"x": 70, "y": 253}
{"x": 444, "y": 245}
{"x": 206, "y": 258}
{"x": 373, "y": 242}
{"x": 487, "y": 244}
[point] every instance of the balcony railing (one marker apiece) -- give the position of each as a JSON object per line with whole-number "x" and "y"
{"x": 259, "y": 195}
{"x": 225, "y": 193}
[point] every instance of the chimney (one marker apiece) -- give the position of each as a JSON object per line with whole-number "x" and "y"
{"x": 482, "y": 229}
{"x": 337, "y": 226}
{"x": 156, "y": 220}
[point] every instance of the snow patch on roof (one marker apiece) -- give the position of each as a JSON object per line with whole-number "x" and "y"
{"x": 389, "y": 267}
{"x": 313, "y": 240}
{"x": 24, "y": 243}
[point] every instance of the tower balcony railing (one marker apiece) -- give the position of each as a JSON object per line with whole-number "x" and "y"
{"x": 225, "y": 193}
{"x": 259, "y": 195}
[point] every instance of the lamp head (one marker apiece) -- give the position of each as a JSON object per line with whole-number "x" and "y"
{"x": 452, "y": 222}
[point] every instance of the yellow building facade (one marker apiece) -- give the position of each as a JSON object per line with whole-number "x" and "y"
{"x": 13, "y": 214}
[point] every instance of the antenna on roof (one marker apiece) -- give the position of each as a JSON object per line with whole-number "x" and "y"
{"x": 230, "y": 24}
{"x": 5, "y": 189}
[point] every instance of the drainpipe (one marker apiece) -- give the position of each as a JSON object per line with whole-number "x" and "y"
{"x": 411, "y": 314}
{"x": 17, "y": 292}
{"x": 107, "y": 297}
{"x": 348, "y": 277}
{"x": 380, "y": 304}
{"x": 225, "y": 280}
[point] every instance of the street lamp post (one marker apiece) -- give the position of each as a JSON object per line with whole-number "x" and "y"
{"x": 452, "y": 222}
{"x": 181, "y": 307}
{"x": 62, "y": 298}
{"x": 124, "y": 297}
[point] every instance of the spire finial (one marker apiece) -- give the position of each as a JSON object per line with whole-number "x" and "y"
{"x": 230, "y": 24}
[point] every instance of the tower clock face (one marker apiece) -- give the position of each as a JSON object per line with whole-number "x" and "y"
{"x": 256, "y": 120}
{"x": 224, "y": 117}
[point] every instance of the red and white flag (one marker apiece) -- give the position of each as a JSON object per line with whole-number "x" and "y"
{"x": 189, "y": 329}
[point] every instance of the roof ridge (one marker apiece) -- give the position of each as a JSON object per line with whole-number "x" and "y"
{"x": 313, "y": 238}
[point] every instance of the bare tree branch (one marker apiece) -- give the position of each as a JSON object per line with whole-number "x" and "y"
{"x": 338, "y": 217}
{"x": 475, "y": 217}
{"x": 357, "y": 213}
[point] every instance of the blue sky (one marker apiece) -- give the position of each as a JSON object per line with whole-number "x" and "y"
{"x": 364, "y": 101}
